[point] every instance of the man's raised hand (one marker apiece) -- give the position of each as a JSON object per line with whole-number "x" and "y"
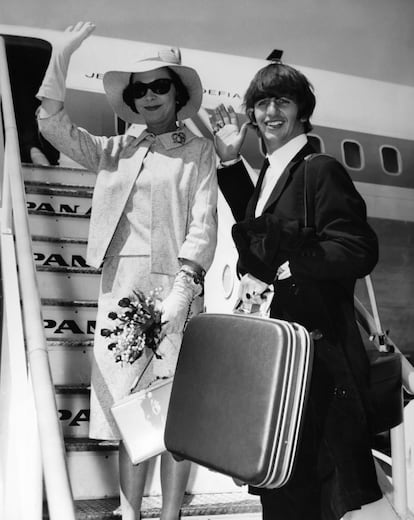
{"x": 228, "y": 134}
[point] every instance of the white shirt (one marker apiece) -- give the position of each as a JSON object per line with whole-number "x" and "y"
{"x": 278, "y": 161}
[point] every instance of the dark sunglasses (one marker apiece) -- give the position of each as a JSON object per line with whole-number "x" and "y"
{"x": 158, "y": 86}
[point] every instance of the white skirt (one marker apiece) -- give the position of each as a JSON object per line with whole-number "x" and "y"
{"x": 111, "y": 381}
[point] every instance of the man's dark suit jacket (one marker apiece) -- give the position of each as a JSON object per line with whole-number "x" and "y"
{"x": 325, "y": 264}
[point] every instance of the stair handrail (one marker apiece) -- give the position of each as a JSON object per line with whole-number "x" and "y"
{"x": 369, "y": 324}
{"x": 57, "y": 484}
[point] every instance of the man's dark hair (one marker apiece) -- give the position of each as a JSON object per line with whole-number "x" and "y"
{"x": 280, "y": 80}
{"x": 181, "y": 96}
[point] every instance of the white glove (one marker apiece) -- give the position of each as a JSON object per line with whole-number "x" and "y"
{"x": 251, "y": 289}
{"x": 253, "y": 293}
{"x": 53, "y": 85}
{"x": 176, "y": 306}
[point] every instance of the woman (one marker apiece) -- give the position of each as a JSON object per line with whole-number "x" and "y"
{"x": 303, "y": 230}
{"x": 153, "y": 216}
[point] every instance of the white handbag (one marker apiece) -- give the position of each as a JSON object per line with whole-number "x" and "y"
{"x": 141, "y": 418}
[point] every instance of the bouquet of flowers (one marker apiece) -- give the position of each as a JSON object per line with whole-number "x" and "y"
{"x": 137, "y": 326}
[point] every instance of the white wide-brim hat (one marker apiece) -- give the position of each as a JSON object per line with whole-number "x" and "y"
{"x": 115, "y": 82}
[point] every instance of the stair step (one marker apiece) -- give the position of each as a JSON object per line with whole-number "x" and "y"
{"x": 58, "y": 188}
{"x": 69, "y": 329}
{"x": 59, "y": 225}
{"x": 72, "y": 389}
{"x": 69, "y": 320}
{"x": 68, "y": 283}
{"x": 93, "y": 472}
{"x": 73, "y": 405}
{"x": 52, "y": 200}
{"x": 63, "y": 269}
{"x": 77, "y": 444}
{"x": 59, "y": 252}
{"x": 58, "y": 240}
{"x": 70, "y": 362}
{"x": 231, "y": 506}
{"x": 54, "y": 174}
{"x": 92, "y": 467}
{"x": 63, "y": 302}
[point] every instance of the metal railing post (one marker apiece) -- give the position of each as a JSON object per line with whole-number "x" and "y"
{"x": 58, "y": 490}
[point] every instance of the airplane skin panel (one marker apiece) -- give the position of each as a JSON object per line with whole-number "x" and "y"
{"x": 345, "y": 101}
{"x": 370, "y": 113}
{"x": 388, "y": 202}
{"x": 371, "y": 147}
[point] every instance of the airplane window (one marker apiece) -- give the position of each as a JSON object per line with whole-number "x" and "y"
{"x": 316, "y": 142}
{"x": 391, "y": 160}
{"x": 227, "y": 280}
{"x": 352, "y": 155}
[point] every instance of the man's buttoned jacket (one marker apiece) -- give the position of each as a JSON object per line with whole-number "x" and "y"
{"x": 324, "y": 265}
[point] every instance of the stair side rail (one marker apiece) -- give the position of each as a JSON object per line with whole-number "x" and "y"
{"x": 369, "y": 324}
{"x": 372, "y": 325}
{"x": 55, "y": 472}
{"x": 21, "y": 493}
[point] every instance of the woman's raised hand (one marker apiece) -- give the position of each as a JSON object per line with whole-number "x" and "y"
{"x": 228, "y": 134}
{"x": 72, "y": 37}
{"x": 53, "y": 87}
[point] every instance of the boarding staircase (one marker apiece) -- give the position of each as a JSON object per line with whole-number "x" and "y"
{"x": 59, "y": 202}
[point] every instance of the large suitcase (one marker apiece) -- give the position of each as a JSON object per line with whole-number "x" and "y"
{"x": 238, "y": 396}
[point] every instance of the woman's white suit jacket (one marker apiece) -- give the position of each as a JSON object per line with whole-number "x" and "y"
{"x": 192, "y": 189}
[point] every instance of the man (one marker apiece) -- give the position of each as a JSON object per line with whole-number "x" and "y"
{"x": 306, "y": 234}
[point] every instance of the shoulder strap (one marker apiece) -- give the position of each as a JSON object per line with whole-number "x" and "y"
{"x": 309, "y": 190}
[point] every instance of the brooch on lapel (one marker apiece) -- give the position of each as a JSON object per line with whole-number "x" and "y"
{"x": 178, "y": 137}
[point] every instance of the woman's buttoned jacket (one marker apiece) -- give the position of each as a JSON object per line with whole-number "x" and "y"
{"x": 183, "y": 188}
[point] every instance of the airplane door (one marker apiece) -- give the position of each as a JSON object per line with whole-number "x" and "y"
{"x": 27, "y": 59}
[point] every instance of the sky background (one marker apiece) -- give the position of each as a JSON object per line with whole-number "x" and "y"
{"x": 369, "y": 38}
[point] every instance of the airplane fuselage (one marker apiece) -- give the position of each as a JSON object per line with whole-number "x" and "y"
{"x": 366, "y": 124}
